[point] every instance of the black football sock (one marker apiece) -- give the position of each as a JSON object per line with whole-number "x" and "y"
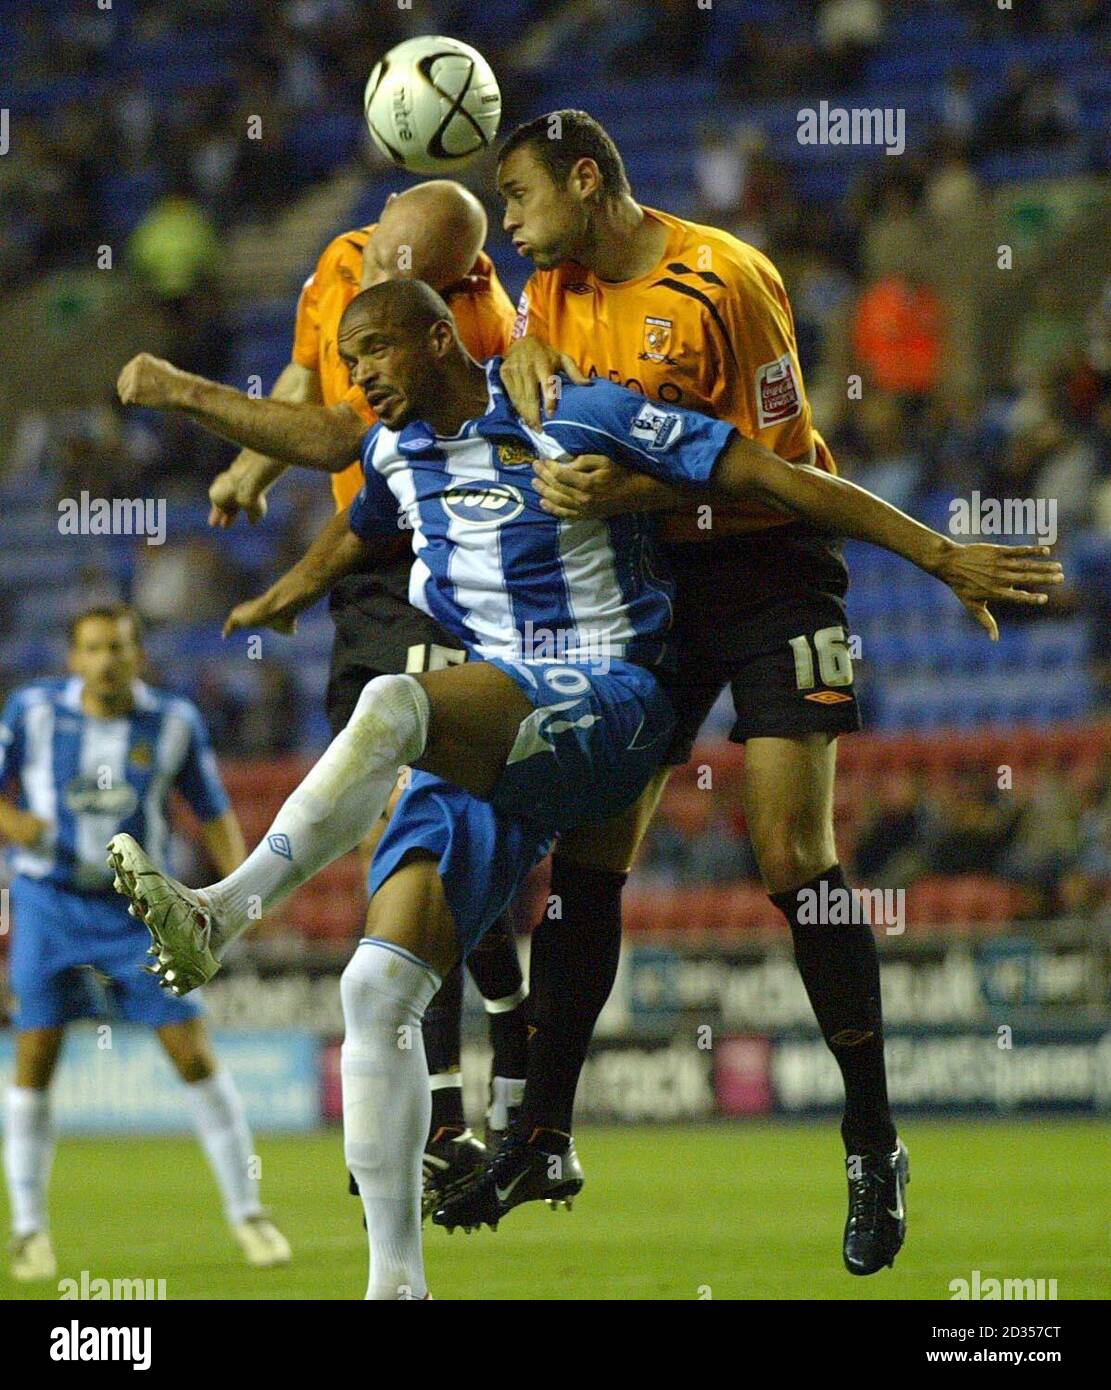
{"x": 840, "y": 968}
{"x": 496, "y": 970}
{"x": 575, "y": 951}
{"x": 441, "y": 1048}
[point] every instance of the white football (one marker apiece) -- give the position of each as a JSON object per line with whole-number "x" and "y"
{"x": 432, "y": 104}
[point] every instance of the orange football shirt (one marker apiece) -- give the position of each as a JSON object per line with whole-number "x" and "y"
{"x": 709, "y": 328}
{"x": 482, "y": 310}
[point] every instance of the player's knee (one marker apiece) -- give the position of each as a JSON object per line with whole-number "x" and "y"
{"x": 394, "y": 700}
{"x": 368, "y": 1009}
{"x": 791, "y": 855}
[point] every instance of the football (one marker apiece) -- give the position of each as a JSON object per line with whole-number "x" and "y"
{"x": 432, "y": 104}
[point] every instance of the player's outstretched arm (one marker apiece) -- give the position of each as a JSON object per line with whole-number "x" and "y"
{"x": 321, "y": 437}
{"x": 976, "y": 573}
{"x": 335, "y": 552}
{"x": 243, "y": 485}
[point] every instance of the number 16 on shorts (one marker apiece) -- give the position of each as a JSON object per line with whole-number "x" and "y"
{"x": 829, "y": 648}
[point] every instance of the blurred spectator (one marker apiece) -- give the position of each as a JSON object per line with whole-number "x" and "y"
{"x": 193, "y": 577}
{"x": 897, "y": 336}
{"x": 848, "y": 33}
{"x": 971, "y": 827}
{"x": 174, "y": 248}
{"x": 1047, "y": 335}
{"x": 890, "y": 850}
{"x": 1033, "y": 109}
{"x": 955, "y": 107}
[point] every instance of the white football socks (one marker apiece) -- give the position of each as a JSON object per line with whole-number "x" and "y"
{"x": 28, "y": 1154}
{"x": 221, "y": 1126}
{"x": 387, "y": 1106}
{"x": 332, "y": 809}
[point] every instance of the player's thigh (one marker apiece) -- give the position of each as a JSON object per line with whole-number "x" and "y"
{"x": 410, "y": 910}
{"x": 788, "y": 796}
{"x": 36, "y": 1055}
{"x": 613, "y": 844}
{"x": 476, "y": 712}
{"x": 189, "y": 1048}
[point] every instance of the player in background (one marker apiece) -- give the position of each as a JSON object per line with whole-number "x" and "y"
{"x": 507, "y": 748}
{"x": 91, "y": 755}
{"x": 434, "y": 231}
{"x": 689, "y": 316}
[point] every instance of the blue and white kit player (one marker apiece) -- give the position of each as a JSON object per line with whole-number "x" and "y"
{"x": 557, "y": 719}
{"x": 89, "y": 755}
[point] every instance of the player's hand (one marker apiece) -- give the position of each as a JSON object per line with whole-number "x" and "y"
{"x": 260, "y": 612}
{"x": 583, "y": 488}
{"x": 149, "y": 381}
{"x": 977, "y": 573}
{"x": 232, "y": 491}
{"x": 530, "y": 375}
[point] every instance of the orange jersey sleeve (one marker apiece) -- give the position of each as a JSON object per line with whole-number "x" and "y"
{"x": 306, "y": 329}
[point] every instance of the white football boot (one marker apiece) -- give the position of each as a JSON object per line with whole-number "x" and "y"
{"x": 177, "y": 918}
{"x": 33, "y": 1258}
{"x": 262, "y": 1243}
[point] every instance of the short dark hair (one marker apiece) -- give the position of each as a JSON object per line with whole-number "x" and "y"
{"x": 579, "y": 136}
{"x": 409, "y": 303}
{"x": 109, "y": 612}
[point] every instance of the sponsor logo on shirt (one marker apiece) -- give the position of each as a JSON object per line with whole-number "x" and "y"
{"x": 489, "y": 505}
{"x": 778, "y": 397}
{"x": 656, "y": 428}
{"x": 84, "y": 797}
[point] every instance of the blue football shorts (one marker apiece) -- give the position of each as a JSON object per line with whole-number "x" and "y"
{"x": 77, "y": 955}
{"x": 595, "y": 737}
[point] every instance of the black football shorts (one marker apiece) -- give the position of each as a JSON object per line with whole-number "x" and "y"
{"x": 763, "y": 613}
{"x": 379, "y": 633}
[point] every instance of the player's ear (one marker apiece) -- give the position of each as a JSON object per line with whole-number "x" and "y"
{"x": 586, "y": 179}
{"x": 442, "y": 337}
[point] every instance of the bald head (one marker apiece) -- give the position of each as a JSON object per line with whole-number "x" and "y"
{"x": 432, "y": 232}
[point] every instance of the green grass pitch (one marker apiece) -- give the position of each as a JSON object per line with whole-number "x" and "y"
{"x": 667, "y": 1213}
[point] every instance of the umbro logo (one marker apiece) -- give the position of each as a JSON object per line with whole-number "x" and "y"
{"x": 280, "y": 845}
{"x": 412, "y": 445}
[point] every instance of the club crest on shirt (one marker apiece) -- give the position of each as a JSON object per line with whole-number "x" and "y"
{"x": 515, "y": 456}
{"x": 778, "y": 397}
{"x": 657, "y": 339}
{"x": 141, "y": 755}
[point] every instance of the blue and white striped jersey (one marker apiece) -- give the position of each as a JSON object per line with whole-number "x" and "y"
{"x": 90, "y": 778}
{"x": 504, "y": 576}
